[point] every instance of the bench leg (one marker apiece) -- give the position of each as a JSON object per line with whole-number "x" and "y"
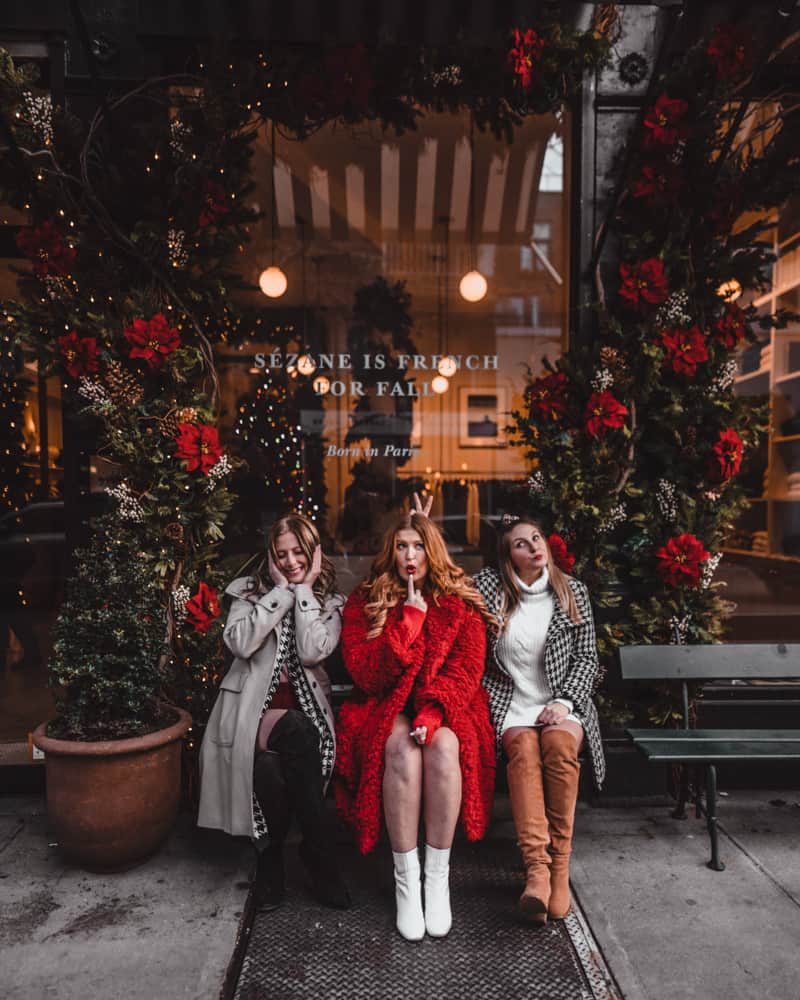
{"x": 683, "y": 793}
{"x": 711, "y": 818}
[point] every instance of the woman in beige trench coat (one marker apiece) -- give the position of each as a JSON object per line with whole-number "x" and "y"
{"x": 269, "y": 747}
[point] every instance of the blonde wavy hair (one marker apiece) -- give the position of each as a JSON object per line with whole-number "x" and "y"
{"x": 559, "y": 580}
{"x": 384, "y": 589}
{"x": 308, "y": 539}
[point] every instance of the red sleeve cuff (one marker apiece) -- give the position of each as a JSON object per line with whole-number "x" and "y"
{"x": 413, "y": 620}
{"x": 431, "y": 716}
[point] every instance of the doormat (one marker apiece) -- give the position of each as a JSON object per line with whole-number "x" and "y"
{"x": 304, "y": 951}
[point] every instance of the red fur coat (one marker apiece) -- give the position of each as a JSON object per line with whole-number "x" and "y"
{"x": 445, "y": 659}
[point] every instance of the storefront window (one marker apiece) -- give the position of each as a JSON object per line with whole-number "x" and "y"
{"x": 387, "y": 379}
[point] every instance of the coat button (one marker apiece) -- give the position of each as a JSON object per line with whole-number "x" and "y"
{"x": 313, "y": 684}
{"x": 304, "y": 603}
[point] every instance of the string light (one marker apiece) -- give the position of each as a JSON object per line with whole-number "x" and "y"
{"x": 729, "y": 291}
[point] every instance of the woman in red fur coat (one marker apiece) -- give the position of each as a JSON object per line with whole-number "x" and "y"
{"x": 415, "y": 734}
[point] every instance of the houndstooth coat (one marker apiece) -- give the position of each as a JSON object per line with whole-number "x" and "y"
{"x": 253, "y": 633}
{"x": 570, "y": 663}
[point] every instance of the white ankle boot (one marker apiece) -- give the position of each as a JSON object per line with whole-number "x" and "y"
{"x": 408, "y": 895}
{"x": 438, "y": 918}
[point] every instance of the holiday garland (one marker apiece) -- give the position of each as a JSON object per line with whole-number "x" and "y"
{"x": 535, "y": 70}
{"x": 133, "y": 219}
{"x": 638, "y": 441}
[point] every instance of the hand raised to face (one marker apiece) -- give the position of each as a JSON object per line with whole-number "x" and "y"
{"x": 414, "y": 599}
{"x": 275, "y": 574}
{"x": 315, "y": 568}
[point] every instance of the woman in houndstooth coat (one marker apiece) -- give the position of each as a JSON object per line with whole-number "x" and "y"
{"x": 269, "y": 747}
{"x": 541, "y": 668}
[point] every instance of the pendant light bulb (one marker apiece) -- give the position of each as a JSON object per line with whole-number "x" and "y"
{"x": 306, "y": 365}
{"x": 322, "y": 385}
{"x": 272, "y": 282}
{"x": 447, "y": 366}
{"x": 472, "y": 286}
{"x": 440, "y": 384}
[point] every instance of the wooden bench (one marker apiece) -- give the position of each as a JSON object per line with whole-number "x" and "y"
{"x": 710, "y": 747}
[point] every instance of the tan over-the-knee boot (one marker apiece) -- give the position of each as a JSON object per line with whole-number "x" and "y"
{"x": 561, "y": 774}
{"x": 526, "y": 789}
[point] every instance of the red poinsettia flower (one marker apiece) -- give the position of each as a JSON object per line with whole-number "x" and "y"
{"x": 215, "y": 203}
{"x": 79, "y": 354}
{"x": 684, "y": 350}
{"x": 202, "y": 608}
{"x": 643, "y": 283}
{"x": 153, "y": 340}
{"x": 730, "y": 329}
{"x": 524, "y": 55}
{"x": 680, "y": 561}
{"x": 604, "y": 412}
{"x": 666, "y": 122}
{"x": 45, "y": 246}
{"x": 730, "y": 53}
{"x": 545, "y": 396}
{"x": 727, "y": 454}
{"x": 562, "y": 557}
{"x": 658, "y": 181}
{"x": 198, "y": 446}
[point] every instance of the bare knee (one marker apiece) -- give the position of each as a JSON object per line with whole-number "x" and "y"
{"x": 441, "y": 754}
{"x": 402, "y": 756}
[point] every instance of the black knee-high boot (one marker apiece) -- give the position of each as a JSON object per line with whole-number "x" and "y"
{"x": 296, "y": 741}
{"x": 269, "y": 786}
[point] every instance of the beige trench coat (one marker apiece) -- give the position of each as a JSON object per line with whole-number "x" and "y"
{"x": 251, "y": 633}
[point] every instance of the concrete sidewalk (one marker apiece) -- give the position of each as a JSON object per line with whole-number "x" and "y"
{"x": 164, "y": 930}
{"x": 672, "y": 929}
{"x": 669, "y": 928}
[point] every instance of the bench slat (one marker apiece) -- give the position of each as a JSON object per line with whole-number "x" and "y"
{"x": 716, "y": 753}
{"x": 743, "y": 660}
{"x": 715, "y": 735}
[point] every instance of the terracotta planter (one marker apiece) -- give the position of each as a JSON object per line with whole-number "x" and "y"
{"x": 110, "y": 805}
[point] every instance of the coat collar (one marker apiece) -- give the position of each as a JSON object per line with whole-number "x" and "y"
{"x": 560, "y": 619}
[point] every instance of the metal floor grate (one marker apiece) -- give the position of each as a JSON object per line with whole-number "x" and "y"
{"x": 304, "y": 951}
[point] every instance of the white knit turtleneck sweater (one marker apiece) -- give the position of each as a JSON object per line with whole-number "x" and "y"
{"x": 520, "y": 649}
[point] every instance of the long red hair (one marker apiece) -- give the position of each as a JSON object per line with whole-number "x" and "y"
{"x": 384, "y": 589}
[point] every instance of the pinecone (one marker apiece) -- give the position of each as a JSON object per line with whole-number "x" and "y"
{"x": 611, "y": 358}
{"x": 170, "y": 424}
{"x": 122, "y": 387}
{"x": 174, "y": 530}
